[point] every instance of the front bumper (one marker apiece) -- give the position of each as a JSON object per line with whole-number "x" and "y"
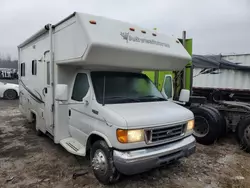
{"x": 137, "y": 161}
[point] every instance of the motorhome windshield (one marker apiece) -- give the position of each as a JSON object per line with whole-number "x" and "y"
{"x": 123, "y": 87}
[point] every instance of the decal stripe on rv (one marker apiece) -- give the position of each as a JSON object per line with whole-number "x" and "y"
{"x": 31, "y": 93}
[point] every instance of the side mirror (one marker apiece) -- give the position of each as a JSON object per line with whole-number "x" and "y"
{"x": 61, "y": 92}
{"x": 184, "y": 95}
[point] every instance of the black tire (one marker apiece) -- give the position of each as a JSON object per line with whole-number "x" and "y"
{"x": 110, "y": 174}
{"x": 206, "y": 116}
{"x": 243, "y": 133}
{"x": 10, "y": 94}
{"x": 224, "y": 125}
{"x": 222, "y": 120}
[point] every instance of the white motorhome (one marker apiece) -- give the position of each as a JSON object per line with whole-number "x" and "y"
{"x": 81, "y": 83}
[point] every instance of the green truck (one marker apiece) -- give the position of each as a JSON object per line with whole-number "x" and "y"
{"x": 212, "y": 120}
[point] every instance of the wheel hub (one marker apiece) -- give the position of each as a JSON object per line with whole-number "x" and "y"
{"x": 201, "y": 127}
{"x": 99, "y": 162}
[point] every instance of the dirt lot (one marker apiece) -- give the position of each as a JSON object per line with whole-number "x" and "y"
{"x": 27, "y": 160}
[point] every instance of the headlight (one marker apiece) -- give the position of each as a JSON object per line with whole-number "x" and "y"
{"x": 190, "y": 125}
{"x": 130, "y": 136}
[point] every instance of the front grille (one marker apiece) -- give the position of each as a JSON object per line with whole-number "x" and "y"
{"x": 164, "y": 133}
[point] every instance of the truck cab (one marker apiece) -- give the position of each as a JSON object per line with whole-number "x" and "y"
{"x": 124, "y": 111}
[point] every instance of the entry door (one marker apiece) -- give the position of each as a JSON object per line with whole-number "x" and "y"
{"x": 48, "y": 96}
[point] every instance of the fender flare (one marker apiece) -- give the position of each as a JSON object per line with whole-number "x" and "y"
{"x": 101, "y": 135}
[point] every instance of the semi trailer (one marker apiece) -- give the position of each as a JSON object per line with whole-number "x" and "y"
{"x": 81, "y": 84}
{"x": 215, "y": 114}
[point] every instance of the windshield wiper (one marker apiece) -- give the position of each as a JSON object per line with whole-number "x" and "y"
{"x": 152, "y": 97}
{"x": 123, "y": 98}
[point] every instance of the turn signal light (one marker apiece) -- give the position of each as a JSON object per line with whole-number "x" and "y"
{"x": 122, "y": 135}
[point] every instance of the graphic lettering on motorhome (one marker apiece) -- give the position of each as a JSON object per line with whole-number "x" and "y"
{"x": 126, "y": 36}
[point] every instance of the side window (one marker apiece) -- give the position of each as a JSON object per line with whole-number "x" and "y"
{"x": 81, "y": 87}
{"x": 22, "y": 69}
{"x": 48, "y": 73}
{"x": 168, "y": 86}
{"x": 34, "y": 67}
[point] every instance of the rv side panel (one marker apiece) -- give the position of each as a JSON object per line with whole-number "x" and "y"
{"x": 32, "y": 63}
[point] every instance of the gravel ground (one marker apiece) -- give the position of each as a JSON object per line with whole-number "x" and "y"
{"x": 27, "y": 160}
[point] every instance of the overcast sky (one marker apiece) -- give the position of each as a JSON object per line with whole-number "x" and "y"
{"x": 216, "y": 26}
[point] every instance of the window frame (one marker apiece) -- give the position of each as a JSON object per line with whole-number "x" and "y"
{"x": 48, "y": 77}
{"x": 73, "y": 85}
{"x": 34, "y": 67}
{"x": 22, "y": 69}
{"x": 171, "y": 86}
{"x": 128, "y": 74}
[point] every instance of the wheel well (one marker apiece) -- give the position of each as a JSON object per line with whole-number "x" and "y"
{"x": 33, "y": 117}
{"x": 91, "y": 140}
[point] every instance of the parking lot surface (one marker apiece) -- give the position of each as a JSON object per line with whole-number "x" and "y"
{"x": 27, "y": 160}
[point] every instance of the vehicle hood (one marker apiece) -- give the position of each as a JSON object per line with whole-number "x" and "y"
{"x": 11, "y": 85}
{"x": 138, "y": 115}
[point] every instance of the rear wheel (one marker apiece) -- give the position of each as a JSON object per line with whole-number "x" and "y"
{"x": 207, "y": 127}
{"x": 243, "y": 133}
{"x": 10, "y": 94}
{"x": 222, "y": 120}
{"x": 102, "y": 163}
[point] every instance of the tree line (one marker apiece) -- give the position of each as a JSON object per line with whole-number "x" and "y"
{"x": 7, "y": 62}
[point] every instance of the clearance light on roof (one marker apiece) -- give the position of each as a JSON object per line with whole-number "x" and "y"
{"x": 143, "y": 31}
{"x": 177, "y": 41}
{"x": 92, "y": 21}
{"x": 132, "y": 29}
{"x": 154, "y": 34}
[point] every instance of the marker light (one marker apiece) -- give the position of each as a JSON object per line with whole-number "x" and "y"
{"x": 92, "y": 21}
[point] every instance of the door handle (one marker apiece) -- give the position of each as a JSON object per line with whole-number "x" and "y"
{"x": 69, "y": 112}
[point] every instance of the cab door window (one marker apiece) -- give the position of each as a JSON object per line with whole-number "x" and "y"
{"x": 81, "y": 87}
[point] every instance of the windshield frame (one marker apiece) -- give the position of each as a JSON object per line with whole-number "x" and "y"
{"x": 120, "y": 99}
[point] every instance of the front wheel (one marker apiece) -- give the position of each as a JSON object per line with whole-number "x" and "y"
{"x": 10, "y": 94}
{"x": 102, "y": 163}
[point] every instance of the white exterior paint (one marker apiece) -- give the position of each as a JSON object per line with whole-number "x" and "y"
{"x": 241, "y": 59}
{"x": 80, "y": 47}
{"x": 5, "y": 86}
{"x": 85, "y": 40}
{"x": 224, "y": 79}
